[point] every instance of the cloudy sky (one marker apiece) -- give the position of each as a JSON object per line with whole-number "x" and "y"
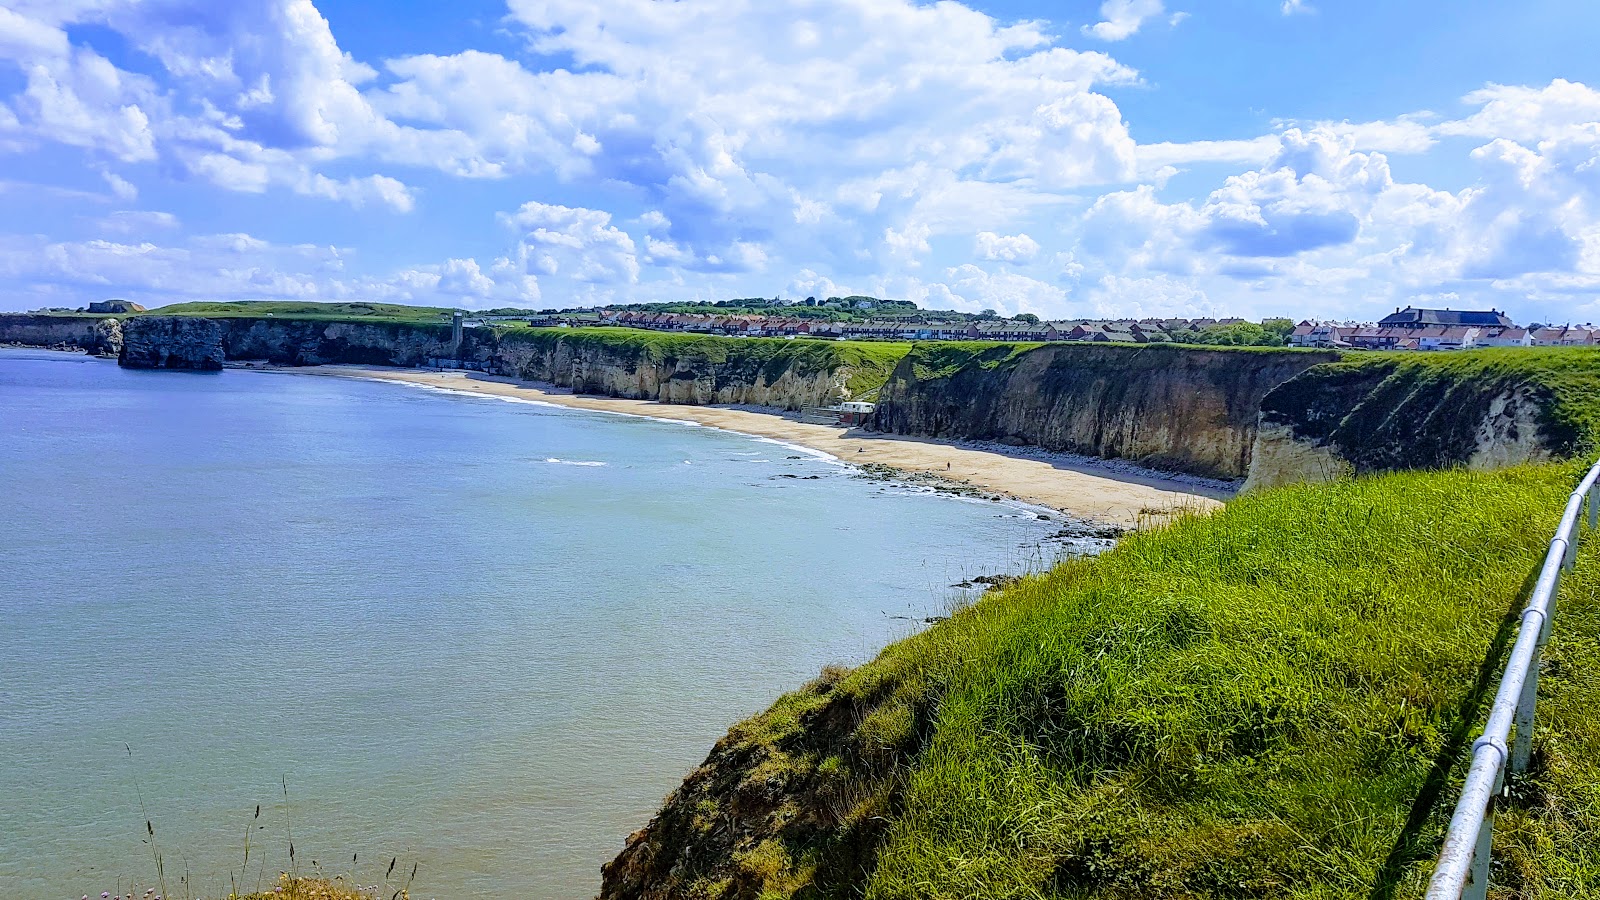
{"x": 1070, "y": 158}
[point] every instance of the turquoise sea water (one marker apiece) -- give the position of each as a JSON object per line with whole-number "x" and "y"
{"x": 483, "y": 637}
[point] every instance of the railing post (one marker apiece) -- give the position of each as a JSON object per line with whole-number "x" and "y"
{"x": 1522, "y": 745}
{"x": 1594, "y": 506}
{"x": 1478, "y": 882}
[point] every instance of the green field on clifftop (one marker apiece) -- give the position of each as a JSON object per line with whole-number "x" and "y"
{"x": 397, "y": 313}
{"x": 1274, "y": 701}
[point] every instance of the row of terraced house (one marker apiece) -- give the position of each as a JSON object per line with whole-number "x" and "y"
{"x": 1089, "y": 330}
{"x": 1440, "y": 329}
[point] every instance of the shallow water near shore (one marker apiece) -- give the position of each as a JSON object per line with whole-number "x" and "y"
{"x": 483, "y": 637}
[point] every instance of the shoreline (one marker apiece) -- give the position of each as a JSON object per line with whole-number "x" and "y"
{"x": 1095, "y": 492}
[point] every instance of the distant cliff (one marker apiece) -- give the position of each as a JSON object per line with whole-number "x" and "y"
{"x": 100, "y": 336}
{"x": 1176, "y": 408}
{"x": 696, "y": 369}
{"x": 301, "y": 341}
{"x": 671, "y": 368}
{"x": 1482, "y": 410}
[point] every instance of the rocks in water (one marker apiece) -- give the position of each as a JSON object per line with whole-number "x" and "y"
{"x": 1103, "y": 531}
{"x": 991, "y": 583}
{"x": 927, "y": 480}
{"x": 800, "y": 477}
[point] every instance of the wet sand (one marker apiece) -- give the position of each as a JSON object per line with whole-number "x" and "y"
{"x": 1069, "y": 484}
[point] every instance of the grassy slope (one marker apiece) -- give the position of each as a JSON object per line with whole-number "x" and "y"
{"x": 942, "y": 359}
{"x": 870, "y": 362}
{"x": 1402, "y": 410}
{"x": 1211, "y": 710}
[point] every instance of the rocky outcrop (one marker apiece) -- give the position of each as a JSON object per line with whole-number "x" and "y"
{"x": 101, "y": 337}
{"x": 171, "y": 342}
{"x": 1386, "y": 413}
{"x": 306, "y": 342}
{"x": 785, "y": 375}
{"x": 293, "y": 342}
{"x": 1173, "y": 408}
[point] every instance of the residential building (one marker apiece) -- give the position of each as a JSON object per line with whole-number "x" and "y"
{"x": 1428, "y": 318}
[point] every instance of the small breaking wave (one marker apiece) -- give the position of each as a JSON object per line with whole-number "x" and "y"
{"x": 573, "y": 462}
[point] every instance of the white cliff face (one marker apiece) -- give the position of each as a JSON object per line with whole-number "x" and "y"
{"x": 1279, "y": 458}
{"x": 1509, "y": 434}
{"x": 600, "y": 370}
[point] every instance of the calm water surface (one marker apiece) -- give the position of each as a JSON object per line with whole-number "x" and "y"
{"x": 485, "y": 637}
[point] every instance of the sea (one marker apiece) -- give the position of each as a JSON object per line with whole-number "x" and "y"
{"x": 456, "y": 644}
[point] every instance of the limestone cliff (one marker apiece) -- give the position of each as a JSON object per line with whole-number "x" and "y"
{"x": 171, "y": 342}
{"x": 1177, "y": 408}
{"x": 310, "y": 342}
{"x": 686, "y": 368}
{"x": 1386, "y": 412}
{"x": 100, "y": 336}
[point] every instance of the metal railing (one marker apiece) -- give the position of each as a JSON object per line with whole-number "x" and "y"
{"x": 1463, "y": 869}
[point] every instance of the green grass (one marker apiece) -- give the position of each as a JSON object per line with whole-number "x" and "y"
{"x": 869, "y": 362}
{"x": 386, "y": 312}
{"x": 291, "y": 888}
{"x": 943, "y": 359}
{"x": 1274, "y": 701}
{"x": 1385, "y": 411}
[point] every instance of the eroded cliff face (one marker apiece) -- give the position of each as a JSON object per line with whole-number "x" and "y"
{"x": 101, "y": 337}
{"x": 1378, "y": 414}
{"x": 743, "y": 372}
{"x": 1173, "y": 408}
{"x": 171, "y": 342}
{"x": 690, "y": 378}
{"x": 195, "y": 342}
{"x": 298, "y": 342}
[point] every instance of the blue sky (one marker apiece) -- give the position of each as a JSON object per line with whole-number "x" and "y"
{"x": 1124, "y": 157}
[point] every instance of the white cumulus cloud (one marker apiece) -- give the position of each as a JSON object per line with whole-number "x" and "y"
{"x": 1123, "y": 18}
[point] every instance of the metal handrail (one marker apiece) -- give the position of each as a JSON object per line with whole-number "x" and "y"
{"x": 1463, "y": 869}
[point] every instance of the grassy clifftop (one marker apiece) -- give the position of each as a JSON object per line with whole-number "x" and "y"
{"x": 397, "y": 313}
{"x": 943, "y": 359}
{"x": 1270, "y": 702}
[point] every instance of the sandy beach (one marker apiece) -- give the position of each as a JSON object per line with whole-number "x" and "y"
{"x": 1080, "y": 489}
